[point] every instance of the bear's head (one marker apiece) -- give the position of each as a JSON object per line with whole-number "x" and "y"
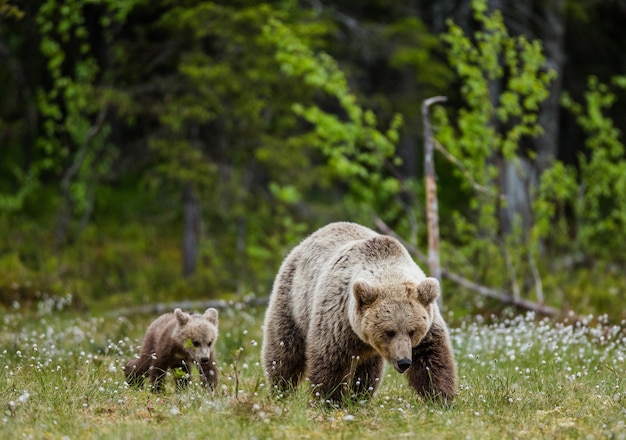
{"x": 197, "y": 333}
{"x": 393, "y": 318}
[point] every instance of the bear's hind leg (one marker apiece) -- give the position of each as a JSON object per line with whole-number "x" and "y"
{"x": 433, "y": 373}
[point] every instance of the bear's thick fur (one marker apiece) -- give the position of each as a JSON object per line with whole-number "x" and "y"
{"x": 177, "y": 340}
{"x": 344, "y": 300}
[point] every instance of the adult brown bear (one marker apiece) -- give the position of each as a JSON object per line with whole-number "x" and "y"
{"x": 346, "y": 299}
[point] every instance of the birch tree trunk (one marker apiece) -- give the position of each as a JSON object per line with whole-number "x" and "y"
{"x": 432, "y": 207}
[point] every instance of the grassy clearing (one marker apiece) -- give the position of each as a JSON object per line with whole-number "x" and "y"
{"x": 520, "y": 378}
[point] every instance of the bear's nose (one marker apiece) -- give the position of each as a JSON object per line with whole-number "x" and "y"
{"x": 204, "y": 360}
{"x": 404, "y": 364}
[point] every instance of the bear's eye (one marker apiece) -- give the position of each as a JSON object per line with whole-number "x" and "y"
{"x": 196, "y": 343}
{"x": 411, "y": 333}
{"x": 390, "y": 333}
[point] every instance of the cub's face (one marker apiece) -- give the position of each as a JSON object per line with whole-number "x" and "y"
{"x": 197, "y": 334}
{"x": 394, "y": 318}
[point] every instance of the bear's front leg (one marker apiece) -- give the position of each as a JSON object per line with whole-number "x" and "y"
{"x": 433, "y": 372}
{"x": 367, "y": 377}
{"x": 157, "y": 372}
{"x": 329, "y": 373}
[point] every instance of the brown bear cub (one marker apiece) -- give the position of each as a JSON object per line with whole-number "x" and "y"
{"x": 345, "y": 300}
{"x": 177, "y": 340}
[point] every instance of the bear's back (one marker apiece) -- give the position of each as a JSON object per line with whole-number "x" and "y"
{"x": 307, "y": 263}
{"x": 331, "y": 258}
{"x": 353, "y": 246}
{"x": 162, "y": 325}
{"x": 310, "y": 258}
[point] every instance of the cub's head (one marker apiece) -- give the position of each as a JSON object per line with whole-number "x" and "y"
{"x": 393, "y": 318}
{"x": 197, "y": 333}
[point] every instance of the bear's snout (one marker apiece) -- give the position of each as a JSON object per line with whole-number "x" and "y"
{"x": 404, "y": 364}
{"x": 204, "y": 359}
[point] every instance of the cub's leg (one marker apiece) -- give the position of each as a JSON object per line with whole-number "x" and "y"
{"x": 135, "y": 370}
{"x": 208, "y": 373}
{"x": 157, "y": 372}
{"x": 182, "y": 373}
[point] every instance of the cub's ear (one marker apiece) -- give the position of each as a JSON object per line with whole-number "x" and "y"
{"x": 364, "y": 293}
{"x": 182, "y": 317}
{"x": 211, "y": 315}
{"x": 428, "y": 290}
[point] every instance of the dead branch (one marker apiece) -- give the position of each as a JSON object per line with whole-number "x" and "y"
{"x": 190, "y": 306}
{"x": 488, "y": 292}
{"x": 477, "y": 186}
{"x": 432, "y": 208}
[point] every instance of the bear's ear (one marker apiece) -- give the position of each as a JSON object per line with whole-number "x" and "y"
{"x": 182, "y": 317}
{"x": 211, "y": 315}
{"x": 428, "y": 290}
{"x": 364, "y": 293}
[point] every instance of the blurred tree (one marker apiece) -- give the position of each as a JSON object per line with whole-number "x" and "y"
{"x": 240, "y": 122}
{"x": 58, "y": 130}
{"x": 504, "y": 83}
{"x": 595, "y": 190}
{"x": 215, "y": 110}
{"x": 18, "y": 111}
{"x": 393, "y": 62}
{"x": 357, "y": 150}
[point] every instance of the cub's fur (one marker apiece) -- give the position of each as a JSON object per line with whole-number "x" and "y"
{"x": 177, "y": 340}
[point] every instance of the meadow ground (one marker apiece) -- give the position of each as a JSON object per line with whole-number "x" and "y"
{"x": 520, "y": 377}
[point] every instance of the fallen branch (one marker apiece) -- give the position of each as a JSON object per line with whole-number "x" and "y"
{"x": 190, "y": 306}
{"x": 488, "y": 292}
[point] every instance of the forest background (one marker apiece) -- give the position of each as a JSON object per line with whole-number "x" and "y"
{"x": 164, "y": 151}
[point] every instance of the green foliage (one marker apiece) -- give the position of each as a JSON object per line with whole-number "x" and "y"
{"x": 355, "y": 148}
{"x": 74, "y": 142}
{"x": 10, "y": 11}
{"x": 416, "y": 49}
{"x": 597, "y": 188}
{"x": 218, "y": 99}
{"x": 26, "y": 182}
{"x": 576, "y": 213}
{"x": 221, "y": 111}
{"x": 281, "y": 116}
{"x": 503, "y": 83}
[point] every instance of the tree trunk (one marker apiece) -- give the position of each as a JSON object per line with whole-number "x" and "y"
{"x": 191, "y": 234}
{"x": 432, "y": 208}
{"x": 551, "y": 32}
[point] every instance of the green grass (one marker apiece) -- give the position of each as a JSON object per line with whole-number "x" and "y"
{"x": 61, "y": 377}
